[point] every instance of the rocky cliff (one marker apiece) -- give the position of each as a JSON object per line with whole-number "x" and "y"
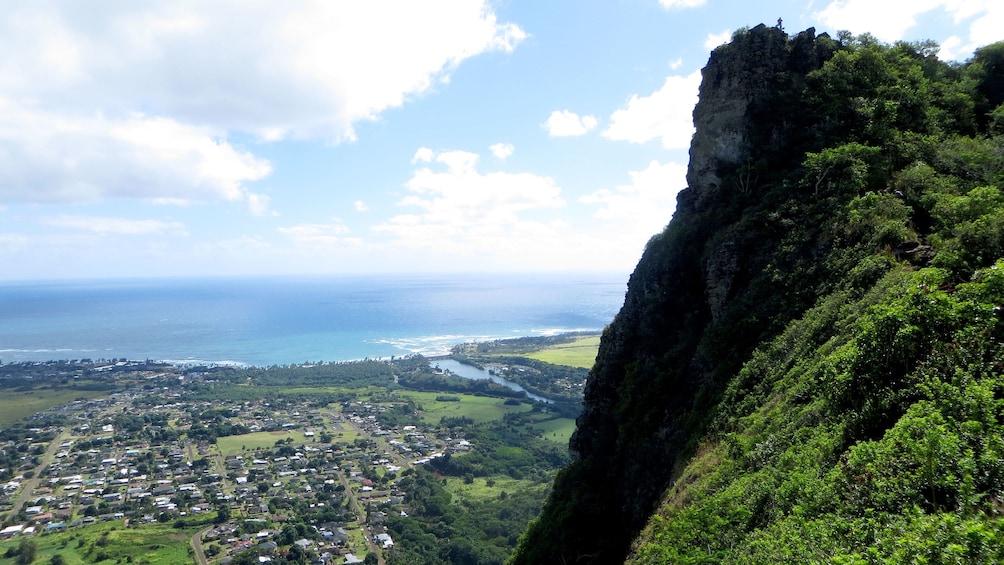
{"x": 791, "y": 197}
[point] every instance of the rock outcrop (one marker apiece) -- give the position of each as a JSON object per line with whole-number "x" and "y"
{"x": 654, "y": 371}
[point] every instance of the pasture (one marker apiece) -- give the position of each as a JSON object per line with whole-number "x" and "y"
{"x": 17, "y": 404}
{"x": 558, "y": 430}
{"x": 235, "y": 445}
{"x": 479, "y": 491}
{"x": 477, "y": 408}
{"x": 581, "y": 352}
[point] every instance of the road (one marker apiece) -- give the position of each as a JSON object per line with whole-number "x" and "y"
{"x": 361, "y": 517}
{"x": 28, "y": 485}
{"x": 200, "y": 555}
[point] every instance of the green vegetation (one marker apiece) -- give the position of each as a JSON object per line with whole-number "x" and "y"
{"x": 470, "y": 529}
{"x": 808, "y": 365}
{"x": 235, "y": 445}
{"x": 170, "y": 450}
{"x": 579, "y": 353}
{"x": 112, "y": 542}
{"x": 478, "y": 408}
{"x": 553, "y": 367}
{"x": 18, "y": 404}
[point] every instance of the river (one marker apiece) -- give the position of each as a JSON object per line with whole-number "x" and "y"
{"x": 472, "y": 372}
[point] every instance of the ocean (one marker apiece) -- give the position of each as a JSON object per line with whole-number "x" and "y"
{"x": 276, "y": 321}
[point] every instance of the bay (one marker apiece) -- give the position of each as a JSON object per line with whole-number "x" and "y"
{"x": 266, "y": 321}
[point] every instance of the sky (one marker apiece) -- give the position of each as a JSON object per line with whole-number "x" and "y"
{"x": 298, "y": 137}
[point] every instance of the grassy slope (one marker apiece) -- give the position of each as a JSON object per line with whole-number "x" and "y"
{"x": 817, "y": 458}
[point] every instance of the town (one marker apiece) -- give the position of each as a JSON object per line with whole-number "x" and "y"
{"x": 314, "y": 475}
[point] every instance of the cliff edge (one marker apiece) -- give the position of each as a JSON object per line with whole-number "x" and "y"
{"x": 820, "y": 171}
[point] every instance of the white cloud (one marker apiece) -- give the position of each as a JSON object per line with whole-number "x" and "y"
{"x": 301, "y": 68}
{"x": 983, "y": 30}
{"x": 361, "y": 206}
{"x": 422, "y": 155}
{"x": 51, "y": 157}
{"x": 715, "y": 39}
{"x": 258, "y": 204}
{"x": 10, "y": 242}
{"x": 116, "y": 226}
{"x": 502, "y": 150}
{"x": 138, "y": 99}
{"x": 666, "y": 114}
{"x": 676, "y": 64}
{"x": 647, "y": 204}
{"x": 320, "y": 235}
{"x": 566, "y": 124}
{"x": 461, "y": 210}
{"x": 669, "y": 4}
{"x": 889, "y": 20}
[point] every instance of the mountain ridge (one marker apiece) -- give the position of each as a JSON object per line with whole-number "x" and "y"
{"x": 820, "y": 170}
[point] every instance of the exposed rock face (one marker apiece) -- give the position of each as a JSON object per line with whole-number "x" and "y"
{"x": 735, "y": 75}
{"x": 661, "y": 356}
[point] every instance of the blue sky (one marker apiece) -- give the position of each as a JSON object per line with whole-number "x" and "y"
{"x": 190, "y": 138}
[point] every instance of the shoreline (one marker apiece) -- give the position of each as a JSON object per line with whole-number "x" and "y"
{"x": 111, "y": 362}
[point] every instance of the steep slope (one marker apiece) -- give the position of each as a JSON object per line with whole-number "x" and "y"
{"x": 825, "y": 175}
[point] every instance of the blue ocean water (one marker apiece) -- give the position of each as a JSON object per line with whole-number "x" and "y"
{"x": 265, "y": 321}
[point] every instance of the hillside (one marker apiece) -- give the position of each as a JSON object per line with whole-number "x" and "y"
{"x": 808, "y": 363}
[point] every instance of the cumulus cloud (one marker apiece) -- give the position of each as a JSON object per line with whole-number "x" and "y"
{"x": 116, "y": 226}
{"x": 668, "y": 4}
{"x": 647, "y": 203}
{"x": 361, "y": 206}
{"x": 461, "y": 210}
{"x": 423, "y": 155}
{"x": 298, "y": 68}
{"x": 890, "y": 20}
{"x": 887, "y": 20}
{"x": 563, "y": 123}
{"x": 715, "y": 39}
{"x": 48, "y": 157}
{"x": 666, "y": 114}
{"x": 138, "y": 99}
{"x": 984, "y": 29}
{"x": 502, "y": 150}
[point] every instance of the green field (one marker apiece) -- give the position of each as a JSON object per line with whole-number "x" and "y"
{"x": 558, "y": 430}
{"x": 579, "y": 353}
{"x": 480, "y": 491}
{"x": 235, "y": 445}
{"x": 15, "y": 404}
{"x": 155, "y": 544}
{"x": 478, "y": 408}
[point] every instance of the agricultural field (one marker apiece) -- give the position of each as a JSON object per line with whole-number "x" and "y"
{"x": 581, "y": 352}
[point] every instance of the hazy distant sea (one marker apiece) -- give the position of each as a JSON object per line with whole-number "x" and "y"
{"x": 265, "y": 321}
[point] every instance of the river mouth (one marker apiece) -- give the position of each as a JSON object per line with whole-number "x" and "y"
{"x": 475, "y": 373}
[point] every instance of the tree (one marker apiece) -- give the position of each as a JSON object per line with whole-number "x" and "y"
{"x": 26, "y": 552}
{"x": 57, "y": 559}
